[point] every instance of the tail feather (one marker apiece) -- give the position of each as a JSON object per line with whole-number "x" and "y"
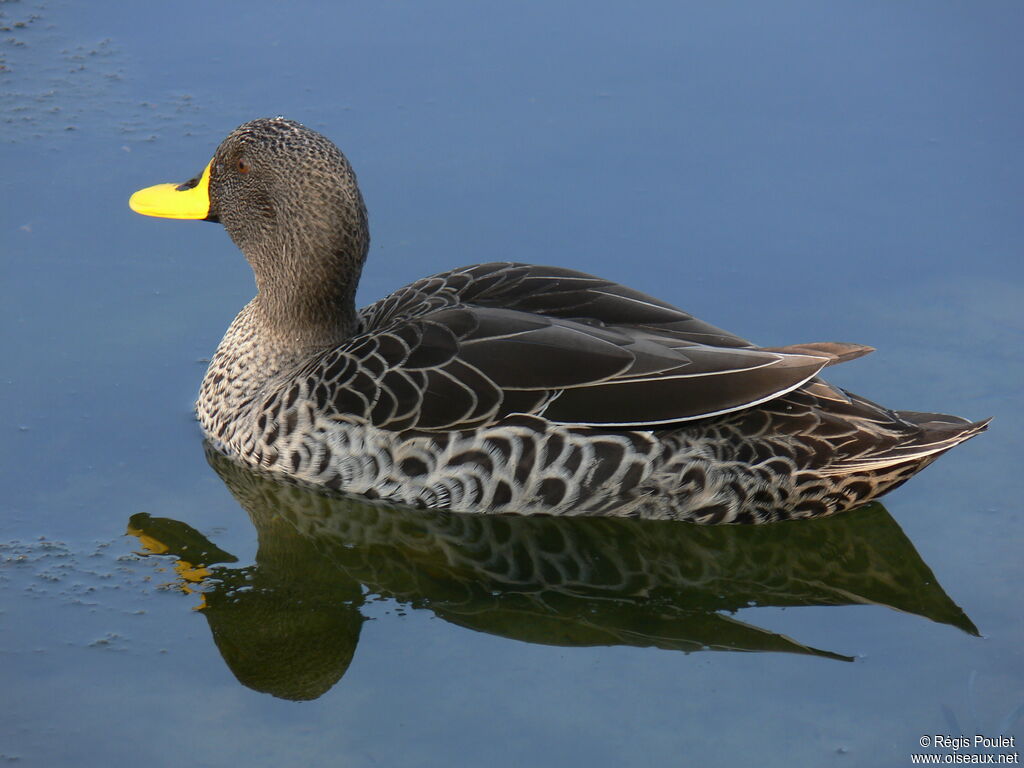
{"x": 836, "y": 351}
{"x": 922, "y": 419}
{"x": 936, "y": 433}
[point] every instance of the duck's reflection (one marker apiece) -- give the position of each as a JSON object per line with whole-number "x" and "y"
{"x": 289, "y": 624}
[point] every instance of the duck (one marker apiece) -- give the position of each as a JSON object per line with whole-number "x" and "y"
{"x": 510, "y": 387}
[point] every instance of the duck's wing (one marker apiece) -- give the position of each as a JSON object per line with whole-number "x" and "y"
{"x": 460, "y": 365}
{"x": 548, "y": 291}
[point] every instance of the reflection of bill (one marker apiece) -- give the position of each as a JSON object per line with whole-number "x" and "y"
{"x": 193, "y": 553}
{"x": 289, "y": 623}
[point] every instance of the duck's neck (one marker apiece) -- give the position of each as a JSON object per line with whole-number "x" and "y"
{"x": 307, "y": 287}
{"x": 304, "y": 312}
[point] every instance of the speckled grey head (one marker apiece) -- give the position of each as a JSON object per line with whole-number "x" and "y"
{"x": 272, "y": 177}
{"x": 289, "y": 199}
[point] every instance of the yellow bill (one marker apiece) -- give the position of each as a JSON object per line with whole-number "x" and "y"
{"x": 175, "y": 201}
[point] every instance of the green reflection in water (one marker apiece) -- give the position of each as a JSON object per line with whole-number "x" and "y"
{"x": 289, "y": 623}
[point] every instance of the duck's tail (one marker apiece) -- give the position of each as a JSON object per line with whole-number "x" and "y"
{"x": 931, "y": 435}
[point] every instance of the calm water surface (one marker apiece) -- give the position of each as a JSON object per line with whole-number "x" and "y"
{"x": 792, "y": 171}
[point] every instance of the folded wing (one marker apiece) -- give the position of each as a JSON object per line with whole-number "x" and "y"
{"x": 467, "y": 348}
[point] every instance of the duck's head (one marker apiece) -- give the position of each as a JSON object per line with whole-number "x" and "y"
{"x": 289, "y": 200}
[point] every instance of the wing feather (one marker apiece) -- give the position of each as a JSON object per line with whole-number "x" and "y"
{"x": 468, "y": 347}
{"x": 461, "y": 366}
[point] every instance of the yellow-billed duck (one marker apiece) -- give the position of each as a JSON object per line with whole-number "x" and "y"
{"x": 510, "y": 387}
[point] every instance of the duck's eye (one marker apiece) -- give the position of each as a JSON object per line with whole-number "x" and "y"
{"x": 243, "y": 166}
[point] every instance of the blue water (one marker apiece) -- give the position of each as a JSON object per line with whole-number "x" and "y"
{"x": 792, "y": 171}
